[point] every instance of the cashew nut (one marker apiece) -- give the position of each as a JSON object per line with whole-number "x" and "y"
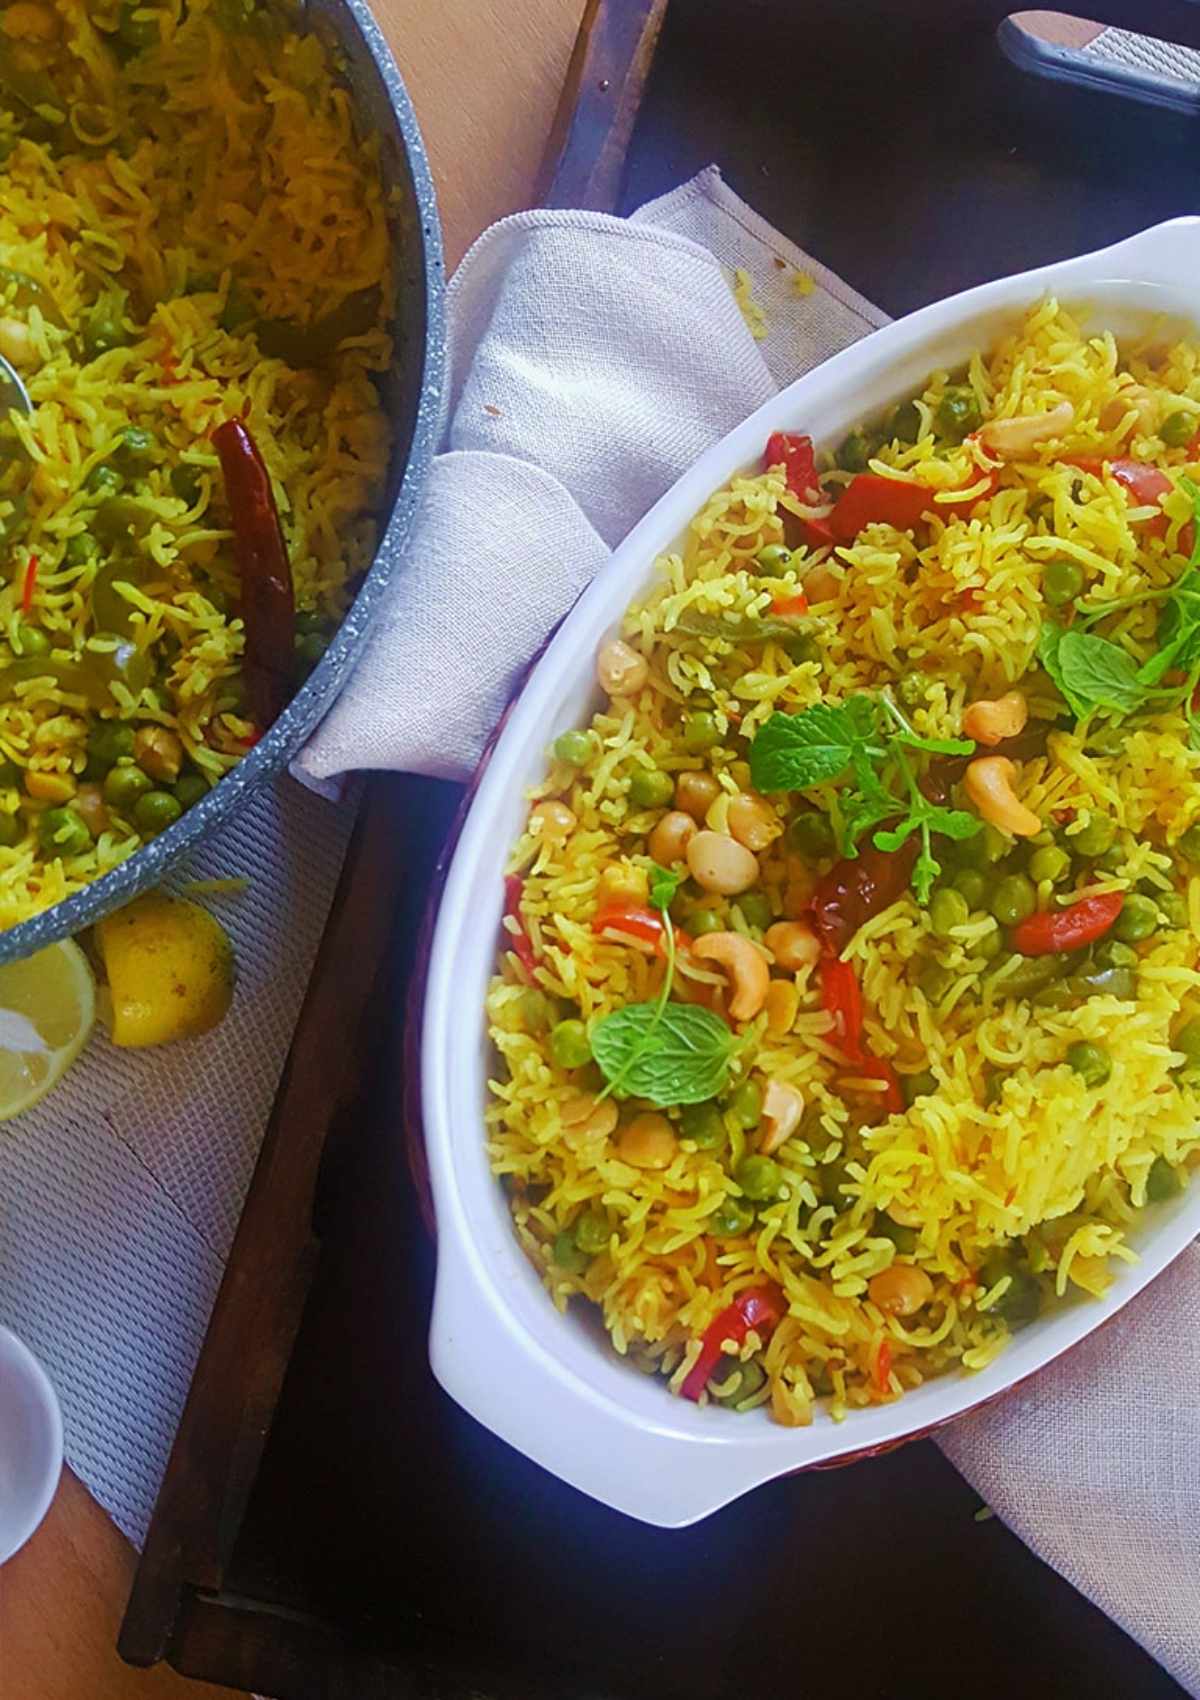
{"x": 782, "y": 1007}
{"x": 648, "y": 1142}
{"x": 821, "y": 584}
{"x": 669, "y": 841}
{"x": 901, "y": 1290}
{"x": 793, "y": 944}
{"x": 782, "y": 1108}
{"x": 744, "y": 965}
{"x": 719, "y": 863}
{"x": 17, "y": 344}
{"x": 989, "y": 786}
{"x": 992, "y": 722}
{"x": 1134, "y": 398}
{"x": 753, "y": 822}
{"x": 621, "y": 671}
{"x": 586, "y": 1116}
{"x": 1011, "y": 437}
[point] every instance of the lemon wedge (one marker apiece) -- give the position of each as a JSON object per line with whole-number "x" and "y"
{"x": 47, "y": 1010}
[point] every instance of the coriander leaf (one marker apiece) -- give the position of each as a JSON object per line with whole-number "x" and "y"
{"x": 794, "y": 751}
{"x": 868, "y": 803}
{"x": 1099, "y": 672}
{"x": 954, "y": 823}
{"x": 663, "y": 886}
{"x": 678, "y": 1054}
{"x": 936, "y": 746}
{"x": 1193, "y": 493}
{"x": 926, "y": 869}
{"x": 895, "y": 837}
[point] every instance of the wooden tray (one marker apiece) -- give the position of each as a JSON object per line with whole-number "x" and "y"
{"x": 331, "y": 1525}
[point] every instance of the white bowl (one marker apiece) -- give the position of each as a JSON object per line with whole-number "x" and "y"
{"x": 546, "y": 1383}
{"x": 31, "y": 1444}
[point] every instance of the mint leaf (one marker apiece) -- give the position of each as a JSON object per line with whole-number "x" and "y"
{"x": 1178, "y": 634}
{"x": 663, "y": 886}
{"x": 1090, "y": 672}
{"x": 794, "y": 751}
{"x": 1099, "y": 672}
{"x": 678, "y": 1054}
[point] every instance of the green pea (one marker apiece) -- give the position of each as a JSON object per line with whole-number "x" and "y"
{"x": 1062, "y": 582}
{"x": 972, "y": 885}
{"x": 125, "y": 786}
{"x": 1029, "y": 973}
{"x": 731, "y": 1384}
{"x": 63, "y": 832}
{"x": 135, "y": 448}
{"x": 650, "y": 789}
{"x": 905, "y": 424}
{"x": 108, "y": 741}
{"x": 1172, "y": 909}
{"x": 569, "y": 1044}
{"x": 756, "y": 909}
{"x": 1138, "y": 919}
{"x": 1099, "y": 835}
{"x": 156, "y": 811}
{"x": 733, "y": 1216}
{"x": 1178, "y": 429}
{"x": 535, "y": 1009}
{"x": 190, "y": 790}
{"x": 103, "y": 330}
{"x": 576, "y": 747}
{"x": 1113, "y": 953}
{"x": 593, "y": 1232}
{"x": 901, "y": 1235}
{"x": 912, "y": 689}
{"x": 702, "y": 921}
{"x": 775, "y": 559}
{"x": 1014, "y": 899}
{"x": 948, "y": 909}
{"x": 104, "y": 480}
{"x": 934, "y": 980}
{"x": 135, "y": 31}
{"x": 983, "y": 849}
{"x": 10, "y": 774}
{"x": 811, "y": 834}
{"x": 745, "y": 1103}
{"x": 1188, "y": 844}
{"x": 184, "y": 480}
{"x": 760, "y": 1178}
{"x": 1091, "y": 1063}
{"x": 1162, "y": 1182}
{"x": 803, "y": 647}
{"x": 81, "y": 549}
{"x": 699, "y": 732}
{"x": 854, "y": 452}
{"x": 1187, "y": 1040}
{"x": 11, "y": 829}
{"x": 703, "y": 1123}
{"x": 1048, "y": 863}
{"x": 1093, "y": 982}
{"x": 567, "y": 1255}
{"x": 990, "y": 944}
{"x": 915, "y": 1086}
{"x": 1022, "y": 1298}
{"x": 958, "y": 413}
{"x": 1058, "y": 995}
{"x": 31, "y": 640}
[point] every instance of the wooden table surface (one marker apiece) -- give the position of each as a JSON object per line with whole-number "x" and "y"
{"x": 485, "y": 76}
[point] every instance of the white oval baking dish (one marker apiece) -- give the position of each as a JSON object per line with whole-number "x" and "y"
{"x": 546, "y": 1383}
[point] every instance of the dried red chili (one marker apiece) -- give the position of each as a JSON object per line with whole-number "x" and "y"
{"x": 758, "y": 1308}
{"x": 268, "y": 601}
{"x": 856, "y": 888}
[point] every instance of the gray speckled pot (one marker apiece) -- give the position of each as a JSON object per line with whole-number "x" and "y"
{"x": 415, "y": 403}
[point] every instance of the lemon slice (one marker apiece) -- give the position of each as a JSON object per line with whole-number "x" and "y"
{"x": 47, "y": 1010}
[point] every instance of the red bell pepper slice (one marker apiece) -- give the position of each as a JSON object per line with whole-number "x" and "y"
{"x": 31, "y": 572}
{"x": 841, "y": 997}
{"x": 878, "y": 1068}
{"x": 795, "y": 454}
{"x": 869, "y": 497}
{"x": 786, "y": 606}
{"x": 1146, "y": 484}
{"x": 518, "y": 942}
{"x": 1067, "y": 929}
{"x": 757, "y": 1309}
{"x": 638, "y": 923}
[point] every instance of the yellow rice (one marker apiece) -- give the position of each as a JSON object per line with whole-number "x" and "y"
{"x": 211, "y": 180}
{"x": 1049, "y": 1164}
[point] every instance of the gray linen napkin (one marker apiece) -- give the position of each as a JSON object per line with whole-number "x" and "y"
{"x": 593, "y": 359}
